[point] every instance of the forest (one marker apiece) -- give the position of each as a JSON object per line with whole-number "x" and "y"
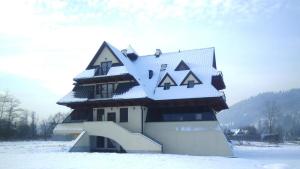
{"x": 18, "y": 123}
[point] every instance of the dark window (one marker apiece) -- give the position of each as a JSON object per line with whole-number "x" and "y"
{"x": 167, "y": 86}
{"x": 111, "y": 117}
{"x": 110, "y": 143}
{"x": 104, "y": 90}
{"x": 100, "y": 142}
{"x": 100, "y": 113}
{"x": 123, "y": 115}
{"x": 105, "y": 66}
{"x": 158, "y": 114}
{"x": 182, "y": 66}
{"x": 198, "y": 116}
{"x": 190, "y": 84}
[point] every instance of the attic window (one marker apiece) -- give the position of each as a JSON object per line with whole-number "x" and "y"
{"x": 182, "y": 66}
{"x": 190, "y": 80}
{"x": 167, "y": 86}
{"x": 191, "y": 84}
{"x": 167, "y": 80}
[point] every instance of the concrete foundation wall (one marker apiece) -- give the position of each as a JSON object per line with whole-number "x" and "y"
{"x": 193, "y": 138}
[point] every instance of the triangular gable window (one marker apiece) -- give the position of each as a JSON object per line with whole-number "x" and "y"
{"x": 190, "y": 80}
{"x": 104, "y": 55}
{"x": 182, "y": 66}
{"x": 166, "y": 82}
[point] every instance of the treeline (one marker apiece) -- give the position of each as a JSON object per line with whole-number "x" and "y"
{"x": 17, "y": 123}
{"x": 275, "y": 126}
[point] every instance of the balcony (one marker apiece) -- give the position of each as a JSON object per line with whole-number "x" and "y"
{"x": 218, "y": 82}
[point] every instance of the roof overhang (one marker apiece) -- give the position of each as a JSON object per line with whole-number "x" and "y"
{"x": 216, "y": 103}
{"x": 97, "y": 79}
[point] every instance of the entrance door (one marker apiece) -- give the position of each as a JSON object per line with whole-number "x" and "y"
{"x": 111, "y": 116}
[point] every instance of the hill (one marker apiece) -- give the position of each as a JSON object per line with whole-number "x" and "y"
{"x": 252, "y": 110}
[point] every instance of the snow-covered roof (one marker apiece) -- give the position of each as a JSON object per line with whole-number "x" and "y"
{"x": 90, "y": 73}
{"x": 199, "y": 62}
{"x": 70, "y": 98}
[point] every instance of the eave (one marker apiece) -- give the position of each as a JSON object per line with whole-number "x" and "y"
{"x": 104, "y": 79}
{"x": 217, "y": 103}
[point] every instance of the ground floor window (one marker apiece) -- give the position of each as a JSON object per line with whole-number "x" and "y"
{"x": 100, "y": 142}
{"x": 163, "y": 114}
{"x": 110, "y": 143}
{"x": 111, "y": 116}
{"x": 100, "y": 114}
{"x": 124, "y": 115}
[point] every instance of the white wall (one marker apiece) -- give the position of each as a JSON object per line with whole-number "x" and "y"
{"x": 105, "y": 56}
{"x": 134, "y": 123}
{"x": 194, "y": 138}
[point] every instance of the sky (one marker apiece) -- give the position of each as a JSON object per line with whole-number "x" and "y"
{"x": 44, "y": 44}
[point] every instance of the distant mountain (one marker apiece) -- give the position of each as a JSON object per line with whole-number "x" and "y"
{"x": 250, "y": 111}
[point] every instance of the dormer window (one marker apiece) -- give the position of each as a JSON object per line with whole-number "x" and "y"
{"x": 166, "y": 82}
{"x": 191, "y": 84}
{"x": 182, "y": 66}
{"x": 190, "y": 80}
{"x": 167, "y": 86}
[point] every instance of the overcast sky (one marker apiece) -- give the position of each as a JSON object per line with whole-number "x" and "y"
{"x": 45, "y": 43}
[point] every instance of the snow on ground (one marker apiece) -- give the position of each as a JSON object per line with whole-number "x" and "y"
{"x": 55, "y": 155}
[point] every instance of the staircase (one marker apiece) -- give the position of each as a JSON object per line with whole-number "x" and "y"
{"x": 131, "y": 142}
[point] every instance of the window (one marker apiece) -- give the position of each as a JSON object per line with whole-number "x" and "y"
{"x": 123, "y": 115}
{"x": 111, "y": 116}
{"x": 100, "y": 113}
{"x": 105, "y": 66}
{"x": 198, "y": 116}
{"x": 167, "y": 86}
{"x": 110, "y": 143}
{"x": 182, "y": 66}
{"x": 191, "y": 84}
{"x": 105, "y": 90}
{"x": 100, "y": 142}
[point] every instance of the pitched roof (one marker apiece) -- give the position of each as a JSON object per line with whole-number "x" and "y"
{"x": 200, "y": 61}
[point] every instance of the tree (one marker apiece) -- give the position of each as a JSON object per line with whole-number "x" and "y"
{"x": 271, "y": 113}
{"x": 3, "y": 103}
{"x": 45, "y": 129}
{"x": 33, "y": 130}
{"x": 47, "y": 126}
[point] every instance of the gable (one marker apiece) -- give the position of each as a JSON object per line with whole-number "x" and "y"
{"x": 104, "y": 54}
{"x": 182, "y": 66}
{"x": 191, "y": 76}
{"x": 167, "y": 79}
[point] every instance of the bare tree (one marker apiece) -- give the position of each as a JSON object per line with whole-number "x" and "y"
{"x": 47, "y": 126}
{"x": 33, "y": 125}
{"x": 12, "y": 108}
{"x": 271, "y": 113}
{"x": 45, "y": 129}
{"x": 3, "y": 104}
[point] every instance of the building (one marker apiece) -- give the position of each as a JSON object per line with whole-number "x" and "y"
{"x": 159, "y": 103}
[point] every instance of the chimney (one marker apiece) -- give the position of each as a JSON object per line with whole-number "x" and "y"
{"x": 157, "y": 52}
{"x": 124, "y": 51}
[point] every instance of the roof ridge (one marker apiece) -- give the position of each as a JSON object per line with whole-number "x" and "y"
{"x": 187, "y": 50}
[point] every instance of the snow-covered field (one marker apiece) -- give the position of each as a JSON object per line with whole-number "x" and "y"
{"x": 54, "y": 155}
